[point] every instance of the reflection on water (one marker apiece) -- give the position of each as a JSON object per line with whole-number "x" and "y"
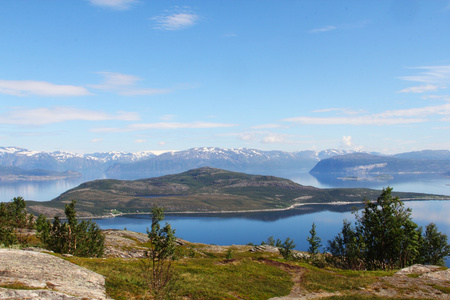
{"x": 36, "y": 190}
{"x": 238, "y": 229}
{"x": 418, "y": 183}
{"x": 230, "y": 229}
{"x": 47, "y": 190}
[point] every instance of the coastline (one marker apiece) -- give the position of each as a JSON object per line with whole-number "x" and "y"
{"x": 261, "y": 210}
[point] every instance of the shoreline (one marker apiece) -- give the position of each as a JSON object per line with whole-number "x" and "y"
{"x": 260, "y": 210}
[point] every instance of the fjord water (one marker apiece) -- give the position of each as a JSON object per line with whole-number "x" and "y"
{"x": 240, "y": 229}
{"x": 228, "y": 229}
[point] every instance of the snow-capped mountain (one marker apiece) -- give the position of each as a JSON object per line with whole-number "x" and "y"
{"x": 237, "y": 159}
{"x": 116, "y": 163}
{"x": 64, "y": 161}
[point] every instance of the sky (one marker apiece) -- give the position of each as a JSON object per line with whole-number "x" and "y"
{"x": 150, "y": 75}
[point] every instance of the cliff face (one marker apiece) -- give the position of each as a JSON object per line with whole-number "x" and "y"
{"x": 49, "y": 276}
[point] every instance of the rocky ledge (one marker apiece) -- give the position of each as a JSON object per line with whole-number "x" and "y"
{"x": 46, "y": 276}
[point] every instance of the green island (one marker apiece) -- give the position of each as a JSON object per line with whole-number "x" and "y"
{"x": 203, "y": 190}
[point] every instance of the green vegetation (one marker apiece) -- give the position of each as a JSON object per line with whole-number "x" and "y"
{"x": 385, "y": 237}
{"x": 208, "y": 277}
{"x": 157, "y": 268}
{"x": 80, "y": 238}
{"x": 444, "y": 289}
{"x": 200, "y": 190}
{"x": 286, "y": 248}
{"x": 314, "y": 241}
{"x": 333, "y": 280}
{"x": 14, "y": 221}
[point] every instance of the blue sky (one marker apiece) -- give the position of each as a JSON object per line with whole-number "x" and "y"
{"x": 133, "y": 75}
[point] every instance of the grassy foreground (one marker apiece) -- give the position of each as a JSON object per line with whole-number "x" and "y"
{"x": 200, "y": 278}
{"x": 246, "y": 275}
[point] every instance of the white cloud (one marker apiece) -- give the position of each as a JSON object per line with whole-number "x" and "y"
{"x": 323, "y": 29}
{"x": 175, "y": 21}
{"x": 364, "y": 120}
{"x": 40, "y": 88}
{"x": 161, "y": 143}
{"x": 346, "y": 141}
{"x": 96, "y": 140}
{"x": 438, "y": 97}
{"x": 420, "y": 89}
{"x": 168, "y": 117}
{"x": 166, "y": 125}
{"x": 246, "y": 136}
{"x": 125, "y": 85}
{"x": 266, "y": 126}
{"x": 273, "y": 138}
{"x": 392, "y": 117}
{"x": 43, "y": 116}
{"x": 114, "y": 4}
{"x": 341, "y": 110}
{"x": 140, "y": 141}
{"x": 436, "y": 75}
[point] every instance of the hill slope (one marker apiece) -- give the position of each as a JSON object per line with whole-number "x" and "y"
{"x": 198, "y": 190}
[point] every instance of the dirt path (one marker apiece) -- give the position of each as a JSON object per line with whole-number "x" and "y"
{"x": 297, "y": 291}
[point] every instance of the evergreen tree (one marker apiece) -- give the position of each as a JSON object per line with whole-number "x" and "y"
{"x": 286, "y": 248}
{"x": 83, "y": 238}
{"x": 347, "y": 246}
{"x": 157, "y": 268}
{"x": 314, "y": 241}
{"x": 43, "y": 227}
{"x": 14, "y": 219}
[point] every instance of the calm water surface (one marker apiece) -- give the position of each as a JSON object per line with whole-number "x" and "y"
{"x": 228, "y": 229}
{"x": 48, "y": 190}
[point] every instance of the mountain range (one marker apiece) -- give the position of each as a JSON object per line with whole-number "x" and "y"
{"x": 334, "y": 162}
{"x": 147, "y": 164}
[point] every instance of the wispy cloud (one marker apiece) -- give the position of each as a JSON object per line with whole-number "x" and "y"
{"x": 114, "y": 4}
{"x": 275, "y": 138}
{"x": 266, "y": 137}
{"x": 436, "y": 75}
{"x": 166, "y": 125}
{"x": 125, "y": 85}
{"x": 391, "y": 117}
{"x": 43, "y": 116}
{"x": 167, "y": 117}
{"x": 323, "y": 29}
{"x": 343, "y": 111}
{"x": 420, "y": 89}
{"x": 40, "y": 88}
{"x": 266, "y": 126}
{"x": 175, "y": 21}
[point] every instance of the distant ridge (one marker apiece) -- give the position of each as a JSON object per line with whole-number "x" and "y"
{"x": 364, "y": 164}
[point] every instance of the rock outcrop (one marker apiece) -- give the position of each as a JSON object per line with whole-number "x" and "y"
{"x": 48, "y": 276}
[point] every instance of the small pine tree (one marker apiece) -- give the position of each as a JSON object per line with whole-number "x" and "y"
{"x": 314, "y": 241}
{"x": 286, "y": 248}
{"x": 157, "y": 268}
